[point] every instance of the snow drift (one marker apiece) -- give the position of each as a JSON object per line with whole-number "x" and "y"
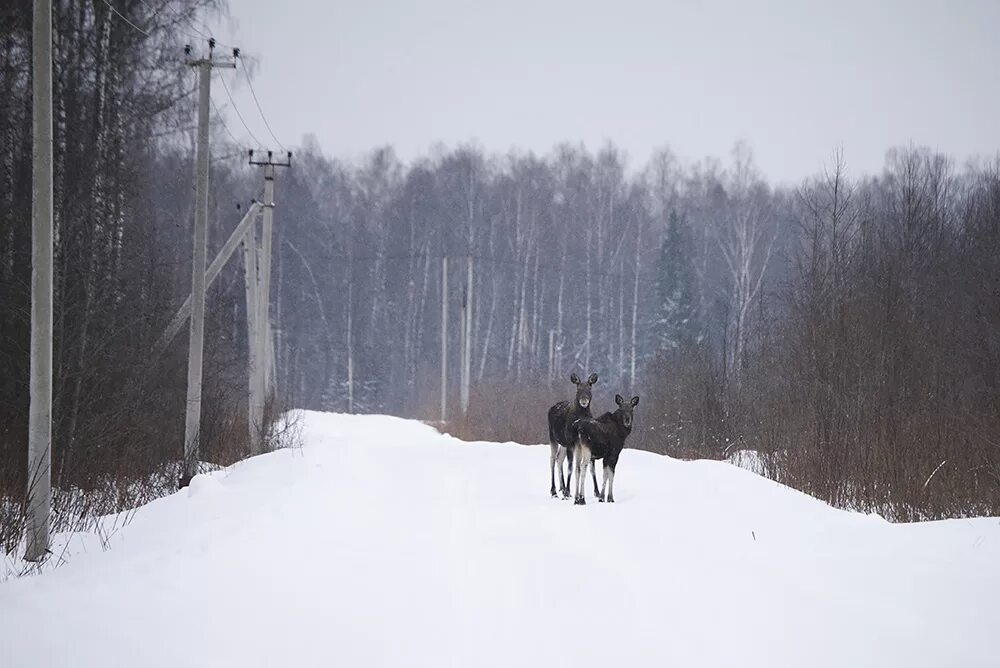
{"x": 381, "y": 542}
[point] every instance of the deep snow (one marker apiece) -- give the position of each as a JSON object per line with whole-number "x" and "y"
{"x": 381, "y": 542}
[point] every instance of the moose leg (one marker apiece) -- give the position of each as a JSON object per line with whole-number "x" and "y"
{"x": 604, "y": 482}
{"x": 560, "y": 458}
{"x": 593, "y": 475}
{"x": 553, "y": 456}
{"x": 582, "y": 459}
{"x": 611, "y": 483}
{"x": 568, "y": 453}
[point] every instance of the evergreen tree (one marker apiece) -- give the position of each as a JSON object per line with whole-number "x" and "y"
{"x": 676, "y": 300}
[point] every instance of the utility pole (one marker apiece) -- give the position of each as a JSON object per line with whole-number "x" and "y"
{"x": 444, "y": 338}
{"x": 461, "y": 350}
{"x": 259, "y": 343}
{"x": 467, "y": 338}
{"x": 192, "y": 420}
{"x": 40, "y": 386}
{"x": 552, "y": 355}
{"x": 255, "y": 399}
{"x": 350, "y": 348}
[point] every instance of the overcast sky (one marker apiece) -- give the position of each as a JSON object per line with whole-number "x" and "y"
{"x": 794, "y": 78}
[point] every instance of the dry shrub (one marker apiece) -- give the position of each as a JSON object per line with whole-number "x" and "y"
{"x": 503, "y": 410}
{"x": 682, "y": 412}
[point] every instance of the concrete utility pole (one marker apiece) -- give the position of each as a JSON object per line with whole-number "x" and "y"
{"x": 552, "y": 355}
{"x": 467, "y": 338}
{"x": 444, "y": 339}
{"x": 350, "y": 348}
{"x": 192, "y": 420}
{"x": 255, "y": 404}
{"x": 461, "y": 351}
{"x": 40, "y": 386}
{"x": 259, "y": 339}
{"x": 264, "y": 308}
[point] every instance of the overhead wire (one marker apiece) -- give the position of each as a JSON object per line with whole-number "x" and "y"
{"x": 263, "y": 117}
{"x": 260, "y": 144}
{"x": 492, "y": 260}
{"x": 124, "y": 18}
{"x": 222, "y": 120}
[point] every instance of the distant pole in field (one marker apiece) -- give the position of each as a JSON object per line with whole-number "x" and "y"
{"x": 192, "y": 418}
{"x": 262, "y": 379}
{"x": 467, "y": 338}
{"x": 40, "y": 386}
{"x": 350, "y": 348}
{"x": 552, "y": 355}
{"x": 444, "y": 339}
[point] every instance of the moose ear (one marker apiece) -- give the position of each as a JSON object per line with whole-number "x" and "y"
{"x": 635, "y": 400}
{"x": 592, "y": 379}
{"x": 575, "y": 379}
{"x": 619, "y": 400}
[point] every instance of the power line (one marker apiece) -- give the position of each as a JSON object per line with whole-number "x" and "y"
{"x": 222, "y": 120}
{"x": 508, "y": 263}
{"x": 246, "y": 75}
{"x": 238, "y": 114}
{"x": 228, "y": 156}
{"x": 124, "y": 18}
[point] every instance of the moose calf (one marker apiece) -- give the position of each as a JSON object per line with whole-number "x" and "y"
{"x": 602, "y": 438}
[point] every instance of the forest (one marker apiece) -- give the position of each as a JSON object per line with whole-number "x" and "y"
{"x": 842, "y": 332}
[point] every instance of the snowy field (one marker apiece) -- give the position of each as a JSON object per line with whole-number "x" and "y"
{"x": 383, "y": 543}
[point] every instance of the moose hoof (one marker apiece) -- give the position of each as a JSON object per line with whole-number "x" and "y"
{"x": 600, "y": 499}
{"x": 553, "y": 493}
{"x": 610, "y": 500}
{"x": 580, "y": 502}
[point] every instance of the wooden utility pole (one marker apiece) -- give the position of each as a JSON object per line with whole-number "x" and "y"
{"x": 259, "y": 333}
{"x": 192, "y": 419}
{"x": 40, "y": 385}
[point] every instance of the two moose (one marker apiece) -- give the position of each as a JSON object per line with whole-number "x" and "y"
{"x": 576, "y": 435}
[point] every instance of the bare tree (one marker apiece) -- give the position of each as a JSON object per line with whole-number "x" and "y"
{"x": 746, "y": 238}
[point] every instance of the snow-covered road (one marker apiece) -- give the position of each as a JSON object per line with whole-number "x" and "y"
{"x": 382, "y": 543}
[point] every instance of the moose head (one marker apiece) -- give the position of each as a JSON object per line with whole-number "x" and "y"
{"x": 625, "y": 410}
{"x": 583, "y": 392}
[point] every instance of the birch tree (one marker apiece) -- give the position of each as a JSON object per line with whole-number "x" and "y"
{"x": 746, "y": 238}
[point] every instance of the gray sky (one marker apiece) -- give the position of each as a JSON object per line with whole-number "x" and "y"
{"x": 794, "y": 78}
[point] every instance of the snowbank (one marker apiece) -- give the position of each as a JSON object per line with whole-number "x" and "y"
{"x": 382, "y": 542}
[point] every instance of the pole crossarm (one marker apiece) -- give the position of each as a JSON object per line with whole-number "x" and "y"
{"x": 270, "y": 160}
{"x": 210, "y": 61}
